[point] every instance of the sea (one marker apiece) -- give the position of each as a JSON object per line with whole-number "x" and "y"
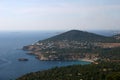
{"x": 11, "y": 43}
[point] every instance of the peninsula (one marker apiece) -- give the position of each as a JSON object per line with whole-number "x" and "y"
{"x": 76, "y": 45}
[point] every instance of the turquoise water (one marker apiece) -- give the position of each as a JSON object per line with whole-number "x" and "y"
{"x": 10, "y": 50}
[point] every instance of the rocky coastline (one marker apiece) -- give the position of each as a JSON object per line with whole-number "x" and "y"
{"x": 52, "y": 57}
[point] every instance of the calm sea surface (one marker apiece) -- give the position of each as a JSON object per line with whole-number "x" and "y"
{"x": 10, "y": 50}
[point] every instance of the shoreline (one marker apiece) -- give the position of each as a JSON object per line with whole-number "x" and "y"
{"x": 82, "y": 59}
{"x": 86, "y": 60}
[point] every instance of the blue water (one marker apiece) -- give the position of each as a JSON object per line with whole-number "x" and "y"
{"x": 10, "y": 50}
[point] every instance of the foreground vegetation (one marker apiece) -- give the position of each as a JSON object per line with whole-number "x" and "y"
{"x": 101, "y": 71}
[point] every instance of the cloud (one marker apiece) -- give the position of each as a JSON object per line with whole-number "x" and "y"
{"x": 52, "y": 13}
{"x": 30, "y": 7}
{"x": 62, "y": 9}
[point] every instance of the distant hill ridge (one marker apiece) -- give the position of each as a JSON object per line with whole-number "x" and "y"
{"x": 77, "y": 35}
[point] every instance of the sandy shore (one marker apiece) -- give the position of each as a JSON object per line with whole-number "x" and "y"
{"x": 87, "y": 60}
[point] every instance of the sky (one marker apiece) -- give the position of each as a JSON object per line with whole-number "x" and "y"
{"x": 59, "y": 14}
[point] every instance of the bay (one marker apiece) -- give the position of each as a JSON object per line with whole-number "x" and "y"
{"x": 11, "y": 44}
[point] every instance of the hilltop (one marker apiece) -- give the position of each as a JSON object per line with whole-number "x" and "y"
{"x": 77, "y": 35}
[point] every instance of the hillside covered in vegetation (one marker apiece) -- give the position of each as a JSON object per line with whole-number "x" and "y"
{"x": 101, "y": 71}
{"x": 83, "y": 36}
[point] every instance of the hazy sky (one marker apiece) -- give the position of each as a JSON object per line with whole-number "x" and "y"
{"x": 59, "y": 14}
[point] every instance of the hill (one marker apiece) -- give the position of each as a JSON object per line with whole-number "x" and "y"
{"x": 76, "y": 35}
{"x": 75, "y": 45}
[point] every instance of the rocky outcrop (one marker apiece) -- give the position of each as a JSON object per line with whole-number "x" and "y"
{"x": 23, "y": 59}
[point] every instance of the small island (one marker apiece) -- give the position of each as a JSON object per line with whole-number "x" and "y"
{"x": 23, "y": 59}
